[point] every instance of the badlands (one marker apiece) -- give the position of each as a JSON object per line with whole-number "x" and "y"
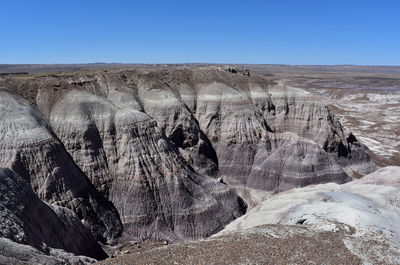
{"x": 199, "y": 164}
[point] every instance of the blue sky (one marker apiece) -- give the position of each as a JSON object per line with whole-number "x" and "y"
{"x": 271, "y": 32}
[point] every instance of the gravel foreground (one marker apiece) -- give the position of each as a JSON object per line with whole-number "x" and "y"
{"x": 270, "y": 244}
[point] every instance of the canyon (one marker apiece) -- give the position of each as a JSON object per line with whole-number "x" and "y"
{"x": 94, "y": 159}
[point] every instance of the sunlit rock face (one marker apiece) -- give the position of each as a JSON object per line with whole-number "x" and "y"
{"x": 244, "y": 129}
{"x": 29, "y": 147}
{"x": 369, "y": 205}
{"x": 270, "y": 138}
{"x": 132, "y": 161}
{"x": 164, "y": 147}
{"x": 368, "y": 209}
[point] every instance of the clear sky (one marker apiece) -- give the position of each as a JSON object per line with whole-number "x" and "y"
{"x": 248, "y": 31}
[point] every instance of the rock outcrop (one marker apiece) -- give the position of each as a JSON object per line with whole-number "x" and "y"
{"x": 369, "y": 205}
{"x": 29, "y": 147}
{"x": 28, "y": 222}
{"x": 368, "y": 208}
{"x": 353, "y": 223}
{"x": 164, "y": 147}
{"x": 269, "y": 142}
{"x": 132, "y": 162}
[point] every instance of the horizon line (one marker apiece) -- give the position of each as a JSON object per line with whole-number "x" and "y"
{"x": 200, "y": 63}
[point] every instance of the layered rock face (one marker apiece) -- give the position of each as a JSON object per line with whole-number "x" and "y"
{"x": 242, "y": 128}
{"x": 27, "y": 220}
{"x": 319, "y": 224}
{"x": 132, "y": 162}
{"x": 30, "y": 148}
{"x": 275, "y": 137}
{"x": 266, "y": 136}
{"x": 156, "y": 149}
{"x": 172, "y": 109}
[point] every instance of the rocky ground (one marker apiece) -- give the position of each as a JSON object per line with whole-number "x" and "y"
{"x": 269, "y": 244}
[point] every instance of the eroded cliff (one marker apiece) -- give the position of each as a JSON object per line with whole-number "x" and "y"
{"x": 167, "y": 151}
